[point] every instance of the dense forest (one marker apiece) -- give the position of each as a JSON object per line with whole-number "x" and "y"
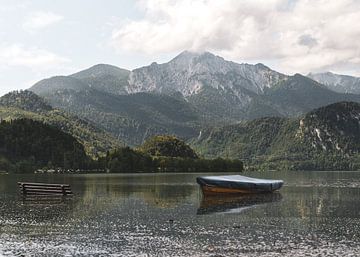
{"x": 27, "y": 145}
{"x": 165, "y": 154}
{"x": 169, "y": 146}
{"x": 129, "y": 160}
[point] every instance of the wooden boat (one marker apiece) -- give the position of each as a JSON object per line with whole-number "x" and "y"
{"x": 236, "y": 184}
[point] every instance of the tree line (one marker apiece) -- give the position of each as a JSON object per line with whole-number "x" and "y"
{"x": 27, "y": 145}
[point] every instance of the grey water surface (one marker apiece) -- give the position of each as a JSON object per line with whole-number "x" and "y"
{"x": 314, "y": 214}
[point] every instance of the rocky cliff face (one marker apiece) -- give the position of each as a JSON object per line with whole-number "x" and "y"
{"x": 190, "y": 72}
{"x": 338, "y": 83}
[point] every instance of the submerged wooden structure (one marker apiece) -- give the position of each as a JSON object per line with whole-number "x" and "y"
{"x": 42, "y": 189}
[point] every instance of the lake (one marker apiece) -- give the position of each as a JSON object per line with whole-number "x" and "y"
{"x": 314, "y": 214}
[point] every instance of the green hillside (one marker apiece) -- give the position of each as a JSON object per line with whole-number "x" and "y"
{"x": 165, "y": 154}
{"x": 104, "y": 77}
{"x": 169, "y": 146}
{"x": 25, "y": 104}
{"x": 326, "y": 138}
{"x": 132, "y": 118}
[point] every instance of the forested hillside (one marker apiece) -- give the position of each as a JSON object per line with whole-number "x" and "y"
{"x": 26, "y": 104}
{"x": 131, "y": 118}
{"x": 165, "y": 154}
{"x": 26, "y": 145}
{"x": 326, "y": 138}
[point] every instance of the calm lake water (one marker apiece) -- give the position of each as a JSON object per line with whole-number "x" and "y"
{"x": 314, "y": 214}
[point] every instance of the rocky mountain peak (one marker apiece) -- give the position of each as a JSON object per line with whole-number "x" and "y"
{"x": 189, "y": 72}
{"x": 185, "y": 55}
{"x": 100, "y": 70}
{"x": 190, "y": 55}
{"x": 337, "y": 83}
{"x": 197, "y": 62}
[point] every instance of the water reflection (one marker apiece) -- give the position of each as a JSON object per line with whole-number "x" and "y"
{"x": 155, "y": 214}
{"x": 157, "y": 190}
{"x": 234, "y": 204}
{"x": 44, "y": 201}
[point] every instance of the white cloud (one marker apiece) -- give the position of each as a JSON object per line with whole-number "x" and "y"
{"x": 34, "y": 58}
{"x": 11, "y": 6}
{"x": 300, "y": 36}
{"x": 40, "y": 20}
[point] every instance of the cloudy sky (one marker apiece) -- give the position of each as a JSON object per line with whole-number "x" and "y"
{"x": 42, "y": 38}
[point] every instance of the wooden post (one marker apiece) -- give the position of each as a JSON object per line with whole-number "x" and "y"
{"x": 23, "y": 188}
{"x": 63, "y": 189}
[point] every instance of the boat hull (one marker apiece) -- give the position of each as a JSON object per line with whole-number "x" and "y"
{"x": 237, "y": 185}
{"x": 221, "y": 190}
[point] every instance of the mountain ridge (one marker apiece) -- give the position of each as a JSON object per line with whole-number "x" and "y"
{"x": 199, "y": 70}
{"x": 338, "y": 82}
{"x": 105, "y": 77}
{"x": 134, "y": 105}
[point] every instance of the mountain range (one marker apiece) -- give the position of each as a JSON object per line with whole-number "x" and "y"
{"x": 181, "y": 97}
